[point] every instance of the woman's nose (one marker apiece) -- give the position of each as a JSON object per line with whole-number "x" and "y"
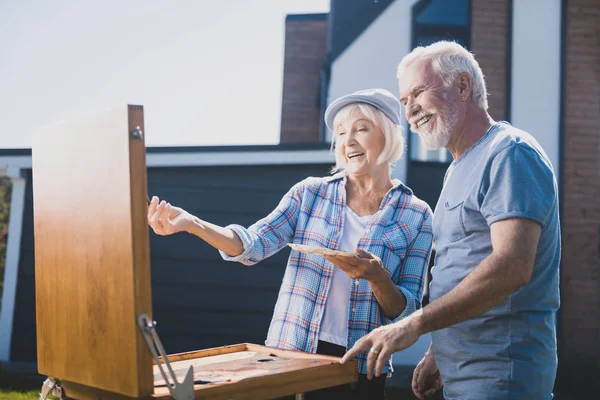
{"x": 350, "y": 140}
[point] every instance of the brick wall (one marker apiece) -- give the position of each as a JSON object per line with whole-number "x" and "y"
{"x": 489, "y": 32}
{"x": 579, "y": 326}
{"x": 305, "y": 47}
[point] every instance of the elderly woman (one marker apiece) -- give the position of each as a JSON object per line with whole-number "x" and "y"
{"x": 326, "y": 303}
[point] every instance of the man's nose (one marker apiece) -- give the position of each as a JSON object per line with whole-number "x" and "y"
{"x": 412, "y": 110}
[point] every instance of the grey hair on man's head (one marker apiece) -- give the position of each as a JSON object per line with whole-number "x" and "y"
{"x": 393, "y": 134}
{"x": 449, "y": 60}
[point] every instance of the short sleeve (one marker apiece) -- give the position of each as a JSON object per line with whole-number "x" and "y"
{"x": 519, "y": 183}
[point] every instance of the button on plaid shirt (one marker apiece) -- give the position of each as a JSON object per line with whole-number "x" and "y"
{"x": 312, "y": 213}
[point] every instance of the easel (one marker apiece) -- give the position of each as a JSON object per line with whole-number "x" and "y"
{"x": 95, "y": 334}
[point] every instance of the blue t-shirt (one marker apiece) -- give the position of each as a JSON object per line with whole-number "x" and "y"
{"x": 508, "y": 352}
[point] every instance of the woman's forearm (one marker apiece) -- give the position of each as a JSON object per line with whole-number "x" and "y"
{"x": 390, "y": 299}
{"x": 220, "y": 238}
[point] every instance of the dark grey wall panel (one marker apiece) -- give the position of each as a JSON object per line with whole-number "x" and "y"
{"x": 199, "y": 300}
{"x": 426, "y": 180}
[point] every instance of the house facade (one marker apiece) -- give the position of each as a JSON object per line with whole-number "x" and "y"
{"x": 541, "y": 61}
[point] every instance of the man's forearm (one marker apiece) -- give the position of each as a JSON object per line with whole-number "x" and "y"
{"x": 489, "y": 284}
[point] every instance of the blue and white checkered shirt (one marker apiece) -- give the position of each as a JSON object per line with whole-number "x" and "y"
{"x": 312, "y": 213}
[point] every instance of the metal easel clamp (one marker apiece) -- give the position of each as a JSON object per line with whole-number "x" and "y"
{"x": 52, "y": 386}
{"x": 179, "y": 391}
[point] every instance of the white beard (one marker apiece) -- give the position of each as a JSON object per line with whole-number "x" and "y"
{"x": 447, "y": 119}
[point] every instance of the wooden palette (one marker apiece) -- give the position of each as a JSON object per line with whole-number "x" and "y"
{"x": 92, "y": 277}
{"x": 250, "y": 371}
{"x": 322, "y": 251}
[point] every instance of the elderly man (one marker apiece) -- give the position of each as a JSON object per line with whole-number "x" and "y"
{"x": 495, "y": 287}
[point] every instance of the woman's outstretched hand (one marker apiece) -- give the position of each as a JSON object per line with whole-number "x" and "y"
{"x": 363, "y": 265}
{"x": 166, "y": 219}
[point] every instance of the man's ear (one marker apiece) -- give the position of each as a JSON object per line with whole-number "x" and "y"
{"x": 464, "y": 85}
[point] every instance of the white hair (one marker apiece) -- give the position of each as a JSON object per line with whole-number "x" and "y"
{"x": 392, "y": 133}
{"x": 449, "y": 60}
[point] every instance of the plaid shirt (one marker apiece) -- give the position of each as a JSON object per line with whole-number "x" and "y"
{"x": 312, "y": 213}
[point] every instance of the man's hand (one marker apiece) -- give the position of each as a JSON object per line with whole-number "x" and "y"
{"x": 383, "y": 342}
{"x": 426, "y": 377}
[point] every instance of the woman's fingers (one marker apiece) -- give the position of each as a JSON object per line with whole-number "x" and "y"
{"x": 161, "y": 215}
{"x": 164, "y": 215}
{"x": 355, "y": 267}
{"x": 341, "y": 262}
{"x": 334, "y": 260}
{"x": 152, "y": 207}
{"x": 154, "y": 220}
{"x": 362, "y": 253}
{"x": 159, "y": 210}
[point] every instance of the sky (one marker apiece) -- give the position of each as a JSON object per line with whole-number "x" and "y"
{"x": 206, "y": 72}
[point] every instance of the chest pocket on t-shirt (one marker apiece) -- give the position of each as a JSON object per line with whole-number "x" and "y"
{"x": 451, "y": 226}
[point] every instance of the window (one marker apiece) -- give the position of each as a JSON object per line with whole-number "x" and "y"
{"x": 435, "y": 20}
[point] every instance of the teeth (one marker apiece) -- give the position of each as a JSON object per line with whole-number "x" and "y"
{"x": 423, "y": 121}
{"x": 352, "y": 155}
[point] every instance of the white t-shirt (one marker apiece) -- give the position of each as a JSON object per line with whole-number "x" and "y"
{"x": 334, "y": 325}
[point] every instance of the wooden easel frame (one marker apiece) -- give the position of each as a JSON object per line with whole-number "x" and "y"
{"x": 92, "y": 268}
